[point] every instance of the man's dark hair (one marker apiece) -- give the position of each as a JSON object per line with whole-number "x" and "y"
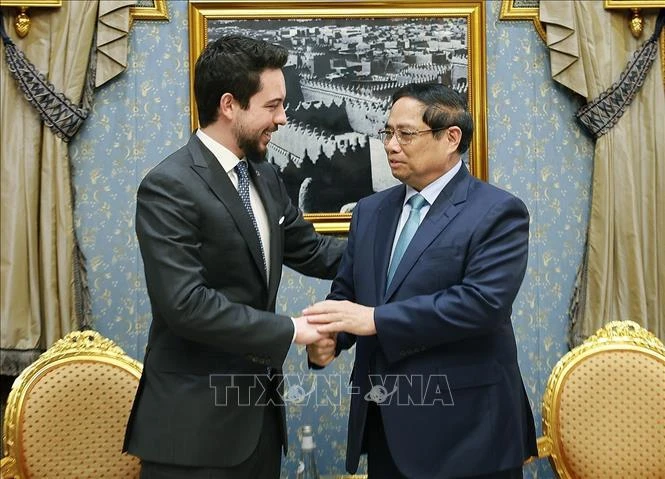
{"x": 444, "y": 107}
{"x": 232, "y": 64}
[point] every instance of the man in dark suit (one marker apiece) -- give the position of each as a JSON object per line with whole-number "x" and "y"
{"x": 215, "y": 224}
{"x": 425, "y": 291}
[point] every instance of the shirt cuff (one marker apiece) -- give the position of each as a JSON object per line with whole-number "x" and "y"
{"x": 295, "y": 331}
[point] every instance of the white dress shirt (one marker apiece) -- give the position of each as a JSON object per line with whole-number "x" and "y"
{"x": 430, "y": 193}
{"x": 229, "y": 161}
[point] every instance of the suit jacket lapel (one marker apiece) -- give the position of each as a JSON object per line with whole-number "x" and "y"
{"x": 447, "y": 205}
{"x": 210, "y": 171}
{"x": 386, "y": 220}
{"x": 273, "y": 213}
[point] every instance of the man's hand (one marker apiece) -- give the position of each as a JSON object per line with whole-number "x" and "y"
{"x": 337, "y": 316}
{"x": 322, "y": 352}
{"x": 306, "y": 333}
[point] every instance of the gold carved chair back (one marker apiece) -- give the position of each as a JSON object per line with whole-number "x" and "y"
{"x": 66, "y": 413}
{"x": 604, "y": 407}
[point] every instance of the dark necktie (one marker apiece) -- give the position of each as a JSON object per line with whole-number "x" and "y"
{"x": 416, "y": 202}
{"x": 243, "y": 192}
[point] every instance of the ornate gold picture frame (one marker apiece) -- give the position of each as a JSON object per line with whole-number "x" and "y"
{"x": 150, "y": 10}
{"x": 346, "y": 58}
{"x": 523, "y": 10}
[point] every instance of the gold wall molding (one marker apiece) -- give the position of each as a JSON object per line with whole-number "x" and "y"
{"x": 158, "y": 11}
{"x": 523, "y": 10}
{"x": 22, "y": 23}
{"x": 636, "y": 21}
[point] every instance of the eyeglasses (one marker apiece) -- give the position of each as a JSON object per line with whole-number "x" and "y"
{"x": 404, "y": 137}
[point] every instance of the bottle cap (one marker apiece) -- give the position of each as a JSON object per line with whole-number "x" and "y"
{"x": 307, "y": 441}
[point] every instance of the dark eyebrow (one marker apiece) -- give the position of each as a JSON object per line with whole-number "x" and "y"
{"x": 401, "y": 126}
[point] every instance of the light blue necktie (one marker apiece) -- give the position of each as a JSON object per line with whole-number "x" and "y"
{"x": 243, "y": 192}
{"x": 416, "y": 202}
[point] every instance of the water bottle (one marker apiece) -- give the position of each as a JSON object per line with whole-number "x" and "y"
{"x": 307, "y": 465}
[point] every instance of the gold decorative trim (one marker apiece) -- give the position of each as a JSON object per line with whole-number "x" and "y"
{"x": 616, "y": 335}
{"x": 158, "y": 11}
{"x": 628, "y": 331}
{"x": 79, "y": 342}
{"x": 23, "y": 23}
{"x": 473, "y": 11}
{"x": 8, "y": 467}
{"x": 623, "y": 4}
{"x": 76, "y": 346}
{"x": 544, "y": 445}
{"x": 509, "y": 11}
{"x": 636, "y": 21}
{"x": 30, "y": 3}
{"x": 330, "y": 222}
{"x": 662, "y": 55}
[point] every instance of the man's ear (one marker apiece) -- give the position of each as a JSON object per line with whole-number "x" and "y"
{"x": 454, "y": 137}
{"x": 227, "y": 106}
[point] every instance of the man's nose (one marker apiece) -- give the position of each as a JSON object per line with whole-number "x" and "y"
{"x": 280, "y": 116}
{"x": 393, "y": 144}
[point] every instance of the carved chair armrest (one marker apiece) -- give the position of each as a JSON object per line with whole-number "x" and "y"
{"x": 8, "y": 469}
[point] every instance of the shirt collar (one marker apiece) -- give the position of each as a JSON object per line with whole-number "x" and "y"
{"x": 226, "y": 158}
{"x": 431, "y": 192}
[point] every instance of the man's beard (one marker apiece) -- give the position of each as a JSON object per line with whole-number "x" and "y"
{"x": 252, "y": 149}
{"x": 251, "y": 146}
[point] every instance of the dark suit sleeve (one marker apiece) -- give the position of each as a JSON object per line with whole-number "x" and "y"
{"x": 305, "y": 250}
{"x": 479, "y": 304}
{"x": 342, "y": 287}
{"x": 169, "y": 226}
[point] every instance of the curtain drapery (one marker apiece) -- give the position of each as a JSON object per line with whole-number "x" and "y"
{"x": 623, "y": 273}
{"x": 42, "y": 273}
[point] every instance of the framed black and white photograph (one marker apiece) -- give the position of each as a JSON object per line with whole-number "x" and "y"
{"x": 346, "y": 59}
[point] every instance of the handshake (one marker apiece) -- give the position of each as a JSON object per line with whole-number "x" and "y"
{"x": 319, "y": 324}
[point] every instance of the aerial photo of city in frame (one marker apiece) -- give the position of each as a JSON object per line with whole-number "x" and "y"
{"x": 340, "y": 76}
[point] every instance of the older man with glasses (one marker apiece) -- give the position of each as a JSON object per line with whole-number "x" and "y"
{"x": 425, "y": 292}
